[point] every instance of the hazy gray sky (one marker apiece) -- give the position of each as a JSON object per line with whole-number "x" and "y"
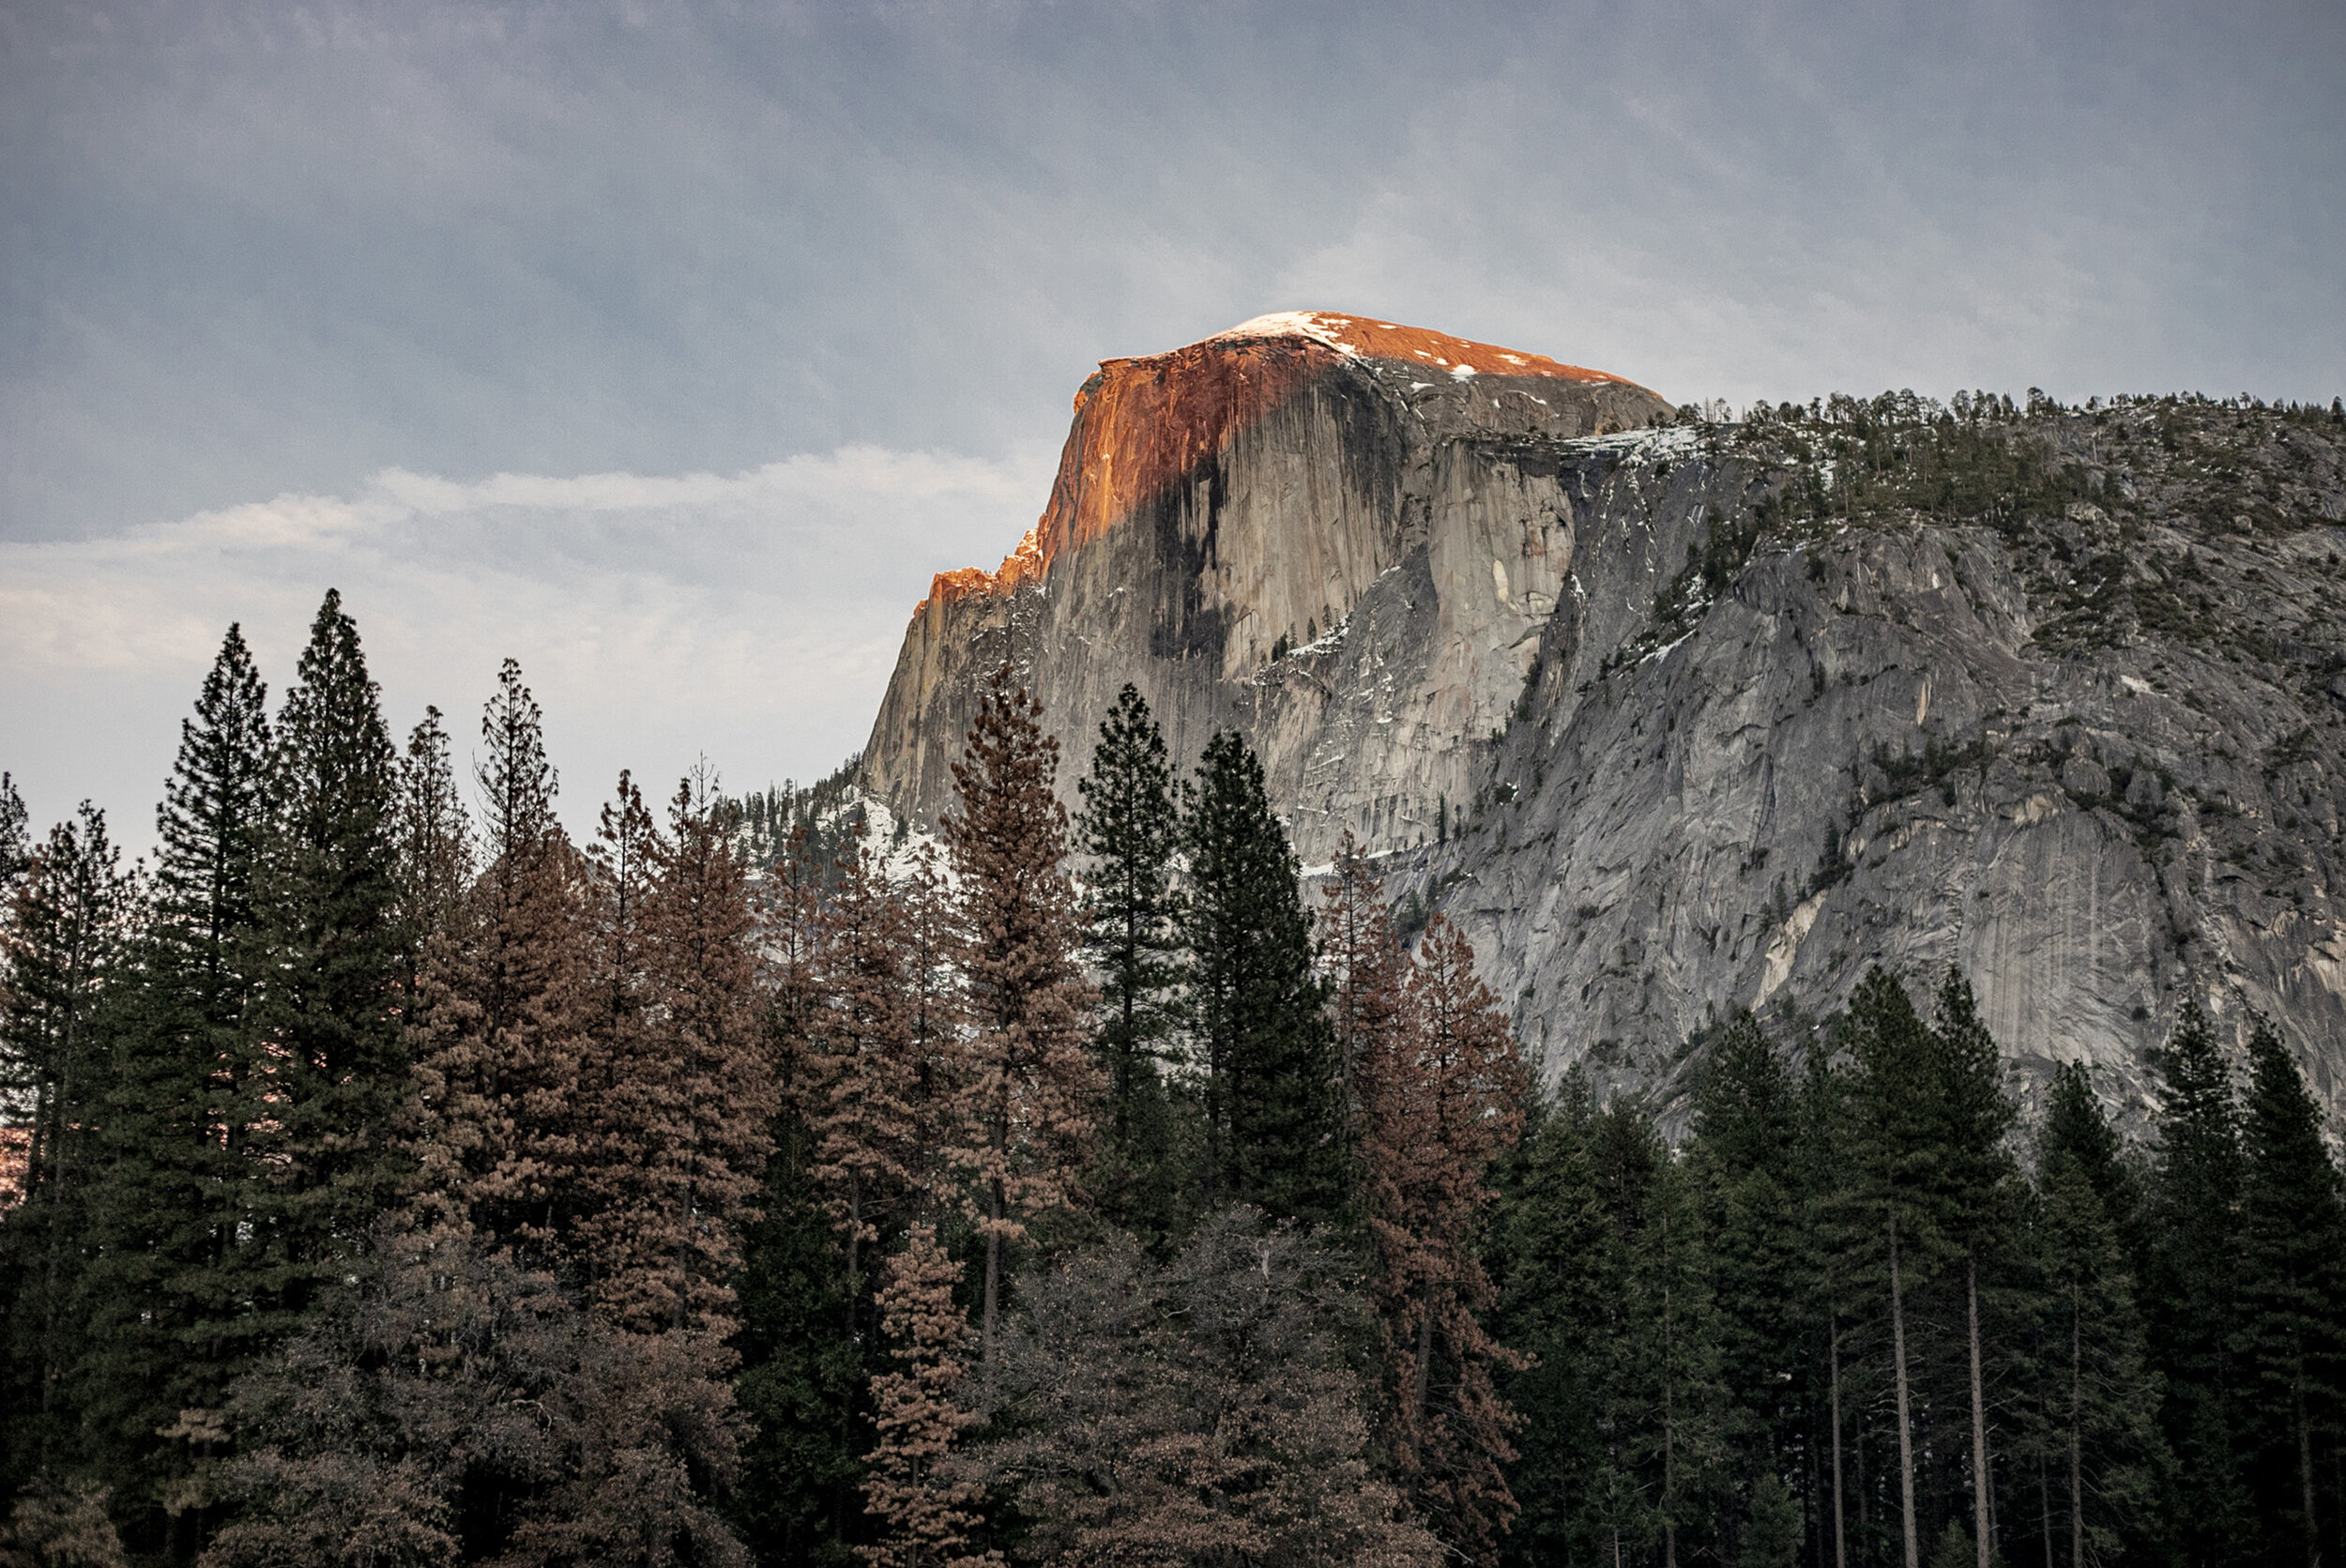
{"x": 672, "y": 347}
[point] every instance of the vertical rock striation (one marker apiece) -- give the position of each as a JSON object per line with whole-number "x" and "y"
{"x": 1679, "y": 716}
{"x": 1304, "y": 505}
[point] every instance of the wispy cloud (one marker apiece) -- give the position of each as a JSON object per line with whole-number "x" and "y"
{"x": 750, "y": 617}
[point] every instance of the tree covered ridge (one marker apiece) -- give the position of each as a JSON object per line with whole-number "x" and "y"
{"x": 411, "y": 1184}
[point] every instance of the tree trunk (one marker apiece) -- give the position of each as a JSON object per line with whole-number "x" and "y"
{"x": 997, "y": 1209}
{"x": 993, "y": 1203}
{"x": 2305, "y": 1463}
{"x": 1425, "y": 1367}
{"x": 1983, "y": 1533}
{"x": 2044, "y": 1501}
{"x": 2076, "y": 1421}
{"x": 1906, "y": 1427}
{"x": 1840, "y": 1542}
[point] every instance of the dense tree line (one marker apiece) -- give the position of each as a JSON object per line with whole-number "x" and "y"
{"x": 399, "y": 1180}
{"x": 1859, "y": 1317}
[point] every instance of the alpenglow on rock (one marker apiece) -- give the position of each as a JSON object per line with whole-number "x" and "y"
{"x": 1679, "y": 716}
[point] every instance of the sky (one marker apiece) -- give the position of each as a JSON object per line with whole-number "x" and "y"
{"x": 669, "y": 348}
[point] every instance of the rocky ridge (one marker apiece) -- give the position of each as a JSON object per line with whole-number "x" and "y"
{"x": 1679, "y": 716}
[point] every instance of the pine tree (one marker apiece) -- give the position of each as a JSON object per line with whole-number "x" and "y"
{"x": 808, "y": 1341}
{"x": 873, "y": 1124}
{"x": 70, "y": 921}
{"x": 1829, "y": 1269}
{"x": 1678, "y": 1402}
{"x": 167, "y": 1299}
{"x": 717, "y": 1096}
{"x": 926, "y": 1518}
{"x": 1605, "y": 1279}
{"x": 16, "y": 848}
{"x": 2293, "y": 1260}
{"x": 1442, "y": 1097}
{"x": 1742, "y": 1160}
{"x": 1560, "y": 1272}
{"x": 1772, "y": 1533}
{"x": 622, "y": 1075}
{"x": 2191, "y": 1273}
{"x": 1978, "y": 1183}
{"x": 1129, "y": 830}
{"x": 498, "y": 1083}
{"x": 327, "y": 1105}
{"x": 1365, "y": 973}
{"x": 1899, "y": 1184}
{"x": 1274, "y": 1120}
{"x": 433, "y": 833}
{"x": 804, "y": 1381}
{"x": 1033, "y": 1092}
{"x": 2098, "y": 1402}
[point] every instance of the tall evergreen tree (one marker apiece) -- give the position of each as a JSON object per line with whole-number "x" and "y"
{"x": 2292, "y": 1263}
{"x": 1979, "y": 1181}
{"x": 926, "y": 1515}
{"x": 2096, "y": 1408}
{"x": 2194, "y": 1290}
{"x": 1033, "y": 1093}
{"x": 623, "y": 1073}
{"x": 1559, "y": 1271}
{"x": 804, "y": 1383}
{"x": 1365, "y": 972}
{"x": 69, "y": 923}
{"x": 327, "y": 1105}
{"x": 1603, "y": 1278}
{"x": 717, "y": 1096}
{"x": 1743, "y": 1163}
{"x": 867, "y": 1101}
{"x": 1832, "y": 1229}
{"x": 1443, "y": 1100}
{"x": 1899, "y": 1187}
{"x": 498, "y": 1080}
{"x": 168, "y": 1329}
{"x": 1128, "y": 831}
{"x": 1676, "y": 1403}
{"x": 1274, "y": 1120}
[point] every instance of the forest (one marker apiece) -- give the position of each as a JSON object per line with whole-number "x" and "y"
{"x": 394, "y": 1180}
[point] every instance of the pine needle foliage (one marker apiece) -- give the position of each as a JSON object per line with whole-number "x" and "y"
{"x": 1128, "y": 834}
{"x": 327, "y": 1105}
{"x": 1254, "y": 1003}
{"x": 1033, "y": 1093}
{"x": 2194, "y": 1206}
{"x": 171, "y": 1273}
{"x": 1443, "y": 1100}
{"x": 927, "y": 1515}
{"x": 70, "y": 921}
{"x": 2294, "y": 1267}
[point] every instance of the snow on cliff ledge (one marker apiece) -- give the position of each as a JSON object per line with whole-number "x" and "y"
{"x": 1363, "y": 337}
{"x": 1142, "y": 422}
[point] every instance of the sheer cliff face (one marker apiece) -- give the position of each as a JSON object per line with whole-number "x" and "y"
{"x": 1678, "y": 720}
{"x": 1242, "y": 526}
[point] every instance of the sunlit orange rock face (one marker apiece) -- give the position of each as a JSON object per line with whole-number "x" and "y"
{"x": 1141, "y": 425}
{"x": 1345, "y": 538}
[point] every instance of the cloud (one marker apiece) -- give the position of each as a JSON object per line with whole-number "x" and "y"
{"x": 752, "y": 617}
{"x": 255, "y": 248}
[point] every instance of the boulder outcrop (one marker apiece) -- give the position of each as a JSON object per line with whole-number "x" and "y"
{"x": 1677, "y": 717}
